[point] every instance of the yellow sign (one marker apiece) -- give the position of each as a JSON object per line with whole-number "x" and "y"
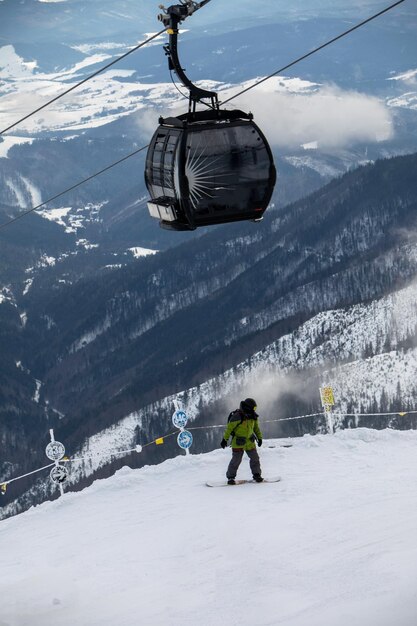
{"x": 159, "y": 441}
{"x": 326, "y": 395}
{"x": 3, "y": 488}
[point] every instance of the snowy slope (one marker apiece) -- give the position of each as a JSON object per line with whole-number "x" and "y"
{"x": 332, "y": 342}
{"x": 333, "y": 543}
{"x": 117, "y": 93}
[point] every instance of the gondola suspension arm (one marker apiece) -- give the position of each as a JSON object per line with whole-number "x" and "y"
{"x": 171, "y": 18}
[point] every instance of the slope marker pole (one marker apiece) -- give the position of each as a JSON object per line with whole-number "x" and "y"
{"x": 327, "y": 401}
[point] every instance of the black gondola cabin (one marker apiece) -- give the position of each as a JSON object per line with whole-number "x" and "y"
{"x": 205, "y": 167}
{"x": 208, "y": 168}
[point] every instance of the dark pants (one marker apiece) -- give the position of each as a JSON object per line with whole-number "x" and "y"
{"x": 237, "y": 456}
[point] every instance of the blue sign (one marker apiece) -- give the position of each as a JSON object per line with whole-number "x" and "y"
{"x": 185, "y": 439}
{"x": 179, "y": 419}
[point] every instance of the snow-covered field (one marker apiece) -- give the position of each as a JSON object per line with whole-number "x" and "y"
{"x": 333, "y": 544}
{"x": 118, "y": 92}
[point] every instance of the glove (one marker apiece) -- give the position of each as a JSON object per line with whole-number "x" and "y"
{"x": 223, "y": 443}
{"x": 259, "y": 442}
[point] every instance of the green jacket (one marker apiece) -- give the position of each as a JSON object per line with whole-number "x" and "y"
{"x": 246, "y": 429}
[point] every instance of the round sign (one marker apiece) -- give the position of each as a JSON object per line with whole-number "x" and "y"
{"x": 185, "y": 439}
{"x": 59, "y": 474}
{"x": 179, "y": 419}
{"x": 55, "y": 450}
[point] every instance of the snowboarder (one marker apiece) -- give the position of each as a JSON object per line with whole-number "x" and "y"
{"x": 244, "y": 429}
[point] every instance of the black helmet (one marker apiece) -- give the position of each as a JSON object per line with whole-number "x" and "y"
{"x": 248, "y": 405}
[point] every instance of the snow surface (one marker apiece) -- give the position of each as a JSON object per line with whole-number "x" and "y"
{"x": 74, "y": 218}
{"x": 333, "y": 544}
{"x": 20, "y": 198}
{"x": 321, "y": 167}
{"x": 25, "y": 192}
{"x": 116, "y": 93}
{"x": 37, "y": 393}
{"x": 6, "y": 295}
{"x": 107, "y": 98}
{"x": 314, "y": 344}
{"x": 8, "y": 141}
{"x": 56, "y": 215}
{"x": 139, "y": 252}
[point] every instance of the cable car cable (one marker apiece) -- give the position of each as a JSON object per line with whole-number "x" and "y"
{"x": 64, "y": 93}
{"x": 228, "y": 100}
{"x": 196, "y": 7}
{"x": 176, "y": 86}
{"x": 58, "y": 195}
{"x": 205, "y": 168}
{"x": 305, "y": 56}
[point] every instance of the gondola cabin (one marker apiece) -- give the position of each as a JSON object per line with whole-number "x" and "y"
{"x": 208, "y": 168}
{"x": 205, "y": 167}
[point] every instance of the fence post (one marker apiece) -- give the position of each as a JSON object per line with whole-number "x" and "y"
{"x": 180, "y": 419}
{"x": 55, "y": 450}
{"x": 327, "y": 401}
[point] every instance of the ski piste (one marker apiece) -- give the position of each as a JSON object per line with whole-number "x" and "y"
{"x": 219, "y": 483}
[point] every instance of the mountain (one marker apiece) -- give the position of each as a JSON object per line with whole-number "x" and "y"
{"x": 107, "y": 319}
{"x": 323, "y": 289}
{"x": 343, "y": 245}
{"x": 76, "y": 20}
{"x": 351, "y": 103}
{"x": 333, "y": 541}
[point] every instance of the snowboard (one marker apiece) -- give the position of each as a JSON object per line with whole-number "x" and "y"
{"x": 219, "y": 483}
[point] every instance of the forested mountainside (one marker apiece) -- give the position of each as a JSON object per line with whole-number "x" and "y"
{"x": 320, "y": 286}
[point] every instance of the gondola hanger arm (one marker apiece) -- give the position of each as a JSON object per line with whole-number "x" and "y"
{"x": 171, "y": 18}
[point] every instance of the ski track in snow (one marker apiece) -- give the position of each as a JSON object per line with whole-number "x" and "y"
{"x": 333, "y": 544}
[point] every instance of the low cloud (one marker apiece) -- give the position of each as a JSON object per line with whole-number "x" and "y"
{"x": 408, "y": 78}
{"x": 330, "y": 116}
{"x": 326, "y": 117}
{"x": 147, "y": 120}
{"x": 271, "y": 392}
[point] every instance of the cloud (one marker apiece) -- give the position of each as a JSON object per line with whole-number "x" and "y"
{"x": 409, "y": 78}
{"x": 147, "y": 120}
{"x": 272, "y": 392}
{"x": 330, "y": 116}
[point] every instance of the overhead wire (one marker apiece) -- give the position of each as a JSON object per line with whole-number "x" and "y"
{"x": 301, "y": 58}
{"x": 64, "y": 93}
{"x": 305, "y": 56}
{"x": 81, "y": 182}
{"x": 99, "y": 71}
{"x": 105, "y": 169}
{"x": 176, "y": 86}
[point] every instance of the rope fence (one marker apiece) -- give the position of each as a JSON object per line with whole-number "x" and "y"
{"x": 160, "y": 440}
